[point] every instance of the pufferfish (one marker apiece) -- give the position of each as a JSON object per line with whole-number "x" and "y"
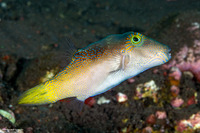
{"x": 99, "y": 67}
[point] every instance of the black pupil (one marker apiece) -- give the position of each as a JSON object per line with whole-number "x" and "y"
{"x": 135, "y": 39}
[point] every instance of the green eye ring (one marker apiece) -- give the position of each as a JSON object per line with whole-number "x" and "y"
{"x": 135, "y": 39}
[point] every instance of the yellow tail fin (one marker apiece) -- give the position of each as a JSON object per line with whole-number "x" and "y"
{"x": 40, "y": 94}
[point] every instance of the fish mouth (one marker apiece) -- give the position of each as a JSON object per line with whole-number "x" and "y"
{"x": 169, "y": 54}
{"x": 166, "y": 55}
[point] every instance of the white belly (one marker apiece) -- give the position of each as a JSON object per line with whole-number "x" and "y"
{"x": 111, "y": 81}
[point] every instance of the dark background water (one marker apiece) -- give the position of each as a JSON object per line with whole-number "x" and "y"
{"x": 28, "y": 25}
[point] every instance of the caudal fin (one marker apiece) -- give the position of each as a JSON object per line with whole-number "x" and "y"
{"x": 40, "y": 94}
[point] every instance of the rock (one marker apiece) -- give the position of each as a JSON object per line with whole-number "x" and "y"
{"x": 10, "y": 71}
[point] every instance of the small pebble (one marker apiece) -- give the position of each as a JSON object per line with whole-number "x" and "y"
{"x": 177, "y": 102}
{"x": 161, "y": 115}
{"x": 151, "y": 119}
{"x": 191, "y": 100}
{"x": 188, "y": 74}
{"x": 131, "y": 80}
{"x": 90, "y": 101}
{"x": 155, "y": 71}
{"x": 176, "y": 73}
{"x": 121, "y": 97}
{"x": 103, "y": 100}
{"x": 147, "y": 130}
{"x": 174, "y": 90}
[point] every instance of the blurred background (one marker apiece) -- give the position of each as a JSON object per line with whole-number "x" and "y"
{"x": 34, "y": 37}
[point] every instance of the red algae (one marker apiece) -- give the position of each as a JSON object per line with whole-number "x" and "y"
{"x": 90, "y": 101}
{"x": 192, "y": 100}
{"x": 190, "y": 124}
{"x": 187, "y": 59}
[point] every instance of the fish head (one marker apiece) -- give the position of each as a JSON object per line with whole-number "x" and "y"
{"x": 144, "y": 52}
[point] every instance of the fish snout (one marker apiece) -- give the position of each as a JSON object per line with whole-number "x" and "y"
{"x": 164, "y": 53}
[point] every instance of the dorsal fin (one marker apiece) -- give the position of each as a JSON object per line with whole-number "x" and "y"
{"x": 70, "y": 48}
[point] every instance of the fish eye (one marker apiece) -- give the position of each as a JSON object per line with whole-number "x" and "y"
{"x": 136, "y": 39}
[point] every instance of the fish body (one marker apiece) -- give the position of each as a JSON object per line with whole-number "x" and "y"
{"x": 99, "y": 67}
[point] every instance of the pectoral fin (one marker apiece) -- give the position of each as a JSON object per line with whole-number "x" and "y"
{"x": 119, "y": 63}
{"x": 124, "y": 61}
